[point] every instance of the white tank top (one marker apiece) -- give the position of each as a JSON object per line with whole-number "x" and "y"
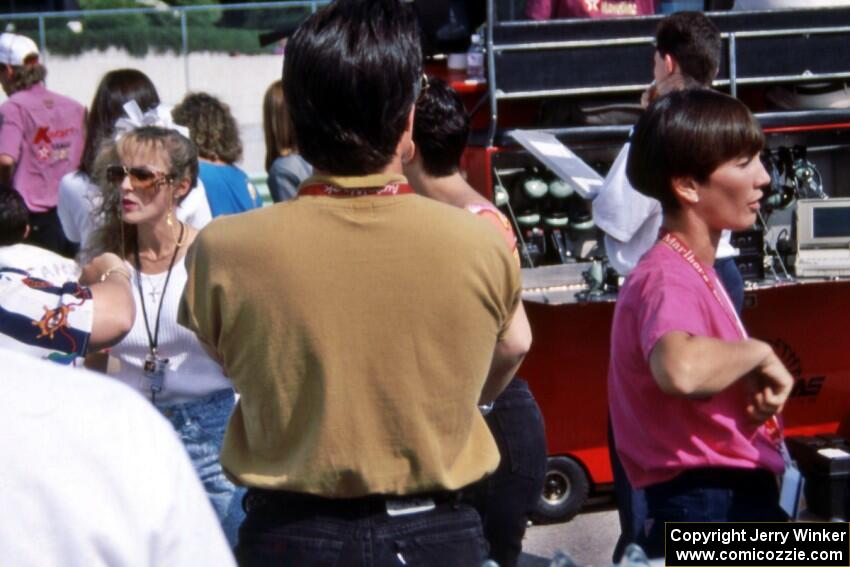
{"x": 191, "y": 373}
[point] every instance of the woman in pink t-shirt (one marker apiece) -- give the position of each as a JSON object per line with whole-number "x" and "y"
{"x": 693, "y": 400}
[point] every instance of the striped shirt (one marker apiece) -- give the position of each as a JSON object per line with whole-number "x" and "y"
{"x": 42, "y": 319}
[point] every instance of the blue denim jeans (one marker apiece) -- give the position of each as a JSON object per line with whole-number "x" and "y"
{"x": 505, "y": 498}
{"x": 709, "y": 495}
{"x": 201, "y": 426}
{"x": 290, "y": 530}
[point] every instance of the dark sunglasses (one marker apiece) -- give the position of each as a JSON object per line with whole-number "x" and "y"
{"x": 140, "y": 177}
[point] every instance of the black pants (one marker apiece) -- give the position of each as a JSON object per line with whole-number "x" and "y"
{"x": 505, "y": 498}
{"x": 296, "y": 530}
{"x": 709, "y": 495}
{"x": 46, "y": 232}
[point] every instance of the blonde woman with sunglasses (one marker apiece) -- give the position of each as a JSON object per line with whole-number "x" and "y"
{"x": 144, "y": 175}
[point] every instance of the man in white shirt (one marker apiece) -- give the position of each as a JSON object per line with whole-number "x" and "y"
{"x": 93, "y": 476}
{"x": 687, "y": 55}
{"x": 687, "y": 49}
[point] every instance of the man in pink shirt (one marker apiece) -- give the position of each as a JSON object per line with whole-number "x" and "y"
{"x": 41, "y": 138}
{"x": 693, "y": 399}
{"x": 555, "y": 9}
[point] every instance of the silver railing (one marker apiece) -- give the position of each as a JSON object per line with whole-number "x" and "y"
{"x": 733, "y": 42}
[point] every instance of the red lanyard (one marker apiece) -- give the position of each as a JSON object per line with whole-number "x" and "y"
{"x": 774, "y": 431}
{"x": 720, "y": 295}
{"x": 772, "y": 426}
{"x": 325, "y": 190}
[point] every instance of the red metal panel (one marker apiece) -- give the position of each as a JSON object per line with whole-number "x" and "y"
{"x": 476, "y": 163}
{"x": 806, "y": 323}
{"x": 567, "y": 370}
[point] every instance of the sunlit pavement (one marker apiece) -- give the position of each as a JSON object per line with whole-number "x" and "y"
{"x": 589, "y": 539}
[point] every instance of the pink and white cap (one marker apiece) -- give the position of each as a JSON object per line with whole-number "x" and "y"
{"x": 16, "y": 49}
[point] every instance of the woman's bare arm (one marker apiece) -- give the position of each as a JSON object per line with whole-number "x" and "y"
{"x": 695, "y": 367}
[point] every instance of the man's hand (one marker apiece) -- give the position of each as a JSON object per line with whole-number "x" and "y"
{"x": 670, "y": 83}
{"x": 770, "y": 384}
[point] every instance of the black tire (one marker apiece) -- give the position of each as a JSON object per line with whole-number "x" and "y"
{"x": 565, "y": 490}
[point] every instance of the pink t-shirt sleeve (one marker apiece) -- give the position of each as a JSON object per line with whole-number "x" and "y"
{"x": 668, "y": 303}
{"x": 11, "y": 131}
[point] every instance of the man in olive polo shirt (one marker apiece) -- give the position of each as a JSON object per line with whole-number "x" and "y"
{"x": 361, "y": 323}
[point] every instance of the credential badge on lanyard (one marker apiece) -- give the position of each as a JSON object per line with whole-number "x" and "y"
{"x": 792, "y": 481}
{"x": 155, "y": 365}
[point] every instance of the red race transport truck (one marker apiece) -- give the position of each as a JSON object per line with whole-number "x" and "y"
{"x": 580, "y": 80}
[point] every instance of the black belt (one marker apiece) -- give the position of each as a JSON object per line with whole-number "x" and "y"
{"x": 299, "y": 503}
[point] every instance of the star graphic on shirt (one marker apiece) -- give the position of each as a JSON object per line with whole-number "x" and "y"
{"x": 591, "y": 5}
{"x": 43, "y": 153}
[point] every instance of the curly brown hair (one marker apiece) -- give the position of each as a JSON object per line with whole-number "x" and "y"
{"x": 25, "y": 76}
{"x": 211, "y": 125}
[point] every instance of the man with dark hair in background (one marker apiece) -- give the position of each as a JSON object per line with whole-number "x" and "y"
{"x": 687, "y": 44}
{"x": 363, "y": 335}
{"x": 504, "y": 499}
{"x": 41, "y": 139}
{"x": 687, "y": 55}
{"x": 15, "y": 253}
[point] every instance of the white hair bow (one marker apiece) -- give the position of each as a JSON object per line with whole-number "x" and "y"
{"x": 158, "y": 116}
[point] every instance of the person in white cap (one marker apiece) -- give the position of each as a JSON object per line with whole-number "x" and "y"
{"x": 41, "y": 138}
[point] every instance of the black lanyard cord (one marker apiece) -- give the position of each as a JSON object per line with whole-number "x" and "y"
{"x": 153, "y": 340}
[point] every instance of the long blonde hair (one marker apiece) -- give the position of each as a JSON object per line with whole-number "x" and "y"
{"x": 277, "y": 125}
{"x": 112, "y": 234}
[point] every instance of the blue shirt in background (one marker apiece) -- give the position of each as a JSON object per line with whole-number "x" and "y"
{"x": 228, "y": 189}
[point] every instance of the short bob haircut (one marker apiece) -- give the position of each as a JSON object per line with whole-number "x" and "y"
{"x": 440, "y": 128}
{"x": 351, "y": 77}
{"x": 277, "y": 126}
{"x": 116, "y": 89}
{"x": 693, "y": 41}
{"x": 689, "y": 133}
{"x": 211, "y": 125}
